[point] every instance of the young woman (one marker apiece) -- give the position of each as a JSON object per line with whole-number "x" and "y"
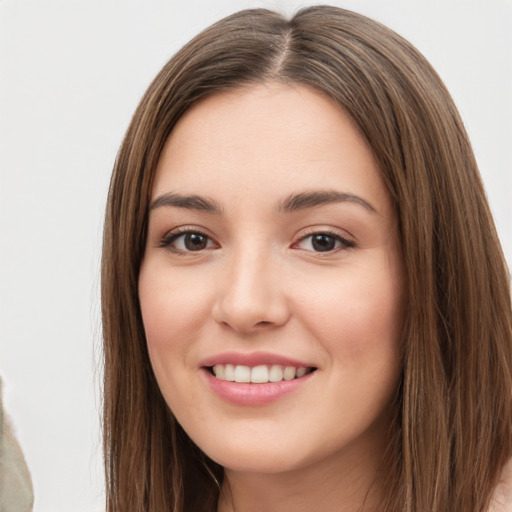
{"x": 305, "y": 303}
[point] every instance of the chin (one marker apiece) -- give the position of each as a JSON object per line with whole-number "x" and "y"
{"x": 257, "y": 460}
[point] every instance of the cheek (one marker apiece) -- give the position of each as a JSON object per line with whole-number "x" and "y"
{"x": 357, "y": 314}
{"x": 172, "y": 314}
{"x": 172, "y": 307}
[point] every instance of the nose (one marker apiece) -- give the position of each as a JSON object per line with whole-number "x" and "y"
{"x": 251, "y": 295}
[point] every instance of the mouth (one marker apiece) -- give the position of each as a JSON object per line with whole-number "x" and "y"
{"x": 257, "y": 378}
{"x": 260, "y": 374}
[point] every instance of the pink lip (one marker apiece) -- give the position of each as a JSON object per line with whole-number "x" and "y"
{"x": 239, "y": 393}
{"x": 247, "y": 393}
{"x": 252, "y": 359}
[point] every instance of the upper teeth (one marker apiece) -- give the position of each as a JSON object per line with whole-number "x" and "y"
{"x": 257, "y": 374}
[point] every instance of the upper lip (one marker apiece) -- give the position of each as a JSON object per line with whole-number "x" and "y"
{"x": 253, "y": 359}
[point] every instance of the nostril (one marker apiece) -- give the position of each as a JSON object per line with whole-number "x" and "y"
{"x": 263, "y": 323}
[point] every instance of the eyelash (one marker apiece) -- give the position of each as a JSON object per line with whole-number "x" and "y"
{"x": 344, "y": 243}
{"x": 171, "y": 237}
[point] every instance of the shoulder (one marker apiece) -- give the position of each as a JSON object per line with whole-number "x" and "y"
{"x": 502, "y": 497}
{"x": 15, "y": 483}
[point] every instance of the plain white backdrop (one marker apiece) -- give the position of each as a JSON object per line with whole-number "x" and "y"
{"x": 71, "y": 74}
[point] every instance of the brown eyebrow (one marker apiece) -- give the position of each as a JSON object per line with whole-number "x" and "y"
{"x": 294, "y": 202}
{"x": 305, "y": 200}
{"x": 193, "y": 202}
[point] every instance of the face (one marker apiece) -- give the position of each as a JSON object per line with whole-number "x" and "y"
{"x": 271, "y": 286}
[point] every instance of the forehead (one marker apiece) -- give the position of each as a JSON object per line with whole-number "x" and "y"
{"x": 263, "y": 138}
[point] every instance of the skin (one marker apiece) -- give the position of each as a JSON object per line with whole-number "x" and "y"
{"x": 261, "y": 284}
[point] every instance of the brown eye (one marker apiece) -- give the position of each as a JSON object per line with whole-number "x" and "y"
{"x": 195, "y": 241}
{"x": 322, "y": 242}
{"x": 187, "y": 241}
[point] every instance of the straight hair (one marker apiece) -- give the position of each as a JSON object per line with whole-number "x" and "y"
{"x": 452, "y": 431}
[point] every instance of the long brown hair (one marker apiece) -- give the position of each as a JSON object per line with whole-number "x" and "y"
{"x": 453, "y": 420}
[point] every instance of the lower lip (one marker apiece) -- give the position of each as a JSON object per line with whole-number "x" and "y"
{"x": 241, "y": 393}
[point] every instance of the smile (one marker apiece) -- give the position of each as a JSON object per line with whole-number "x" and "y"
{"x": 260, "y": 374}
{"x": 256, "y": 378}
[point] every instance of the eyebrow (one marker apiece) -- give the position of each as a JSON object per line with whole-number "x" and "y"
{"x": 193, "y": 202}
{"x": 294, "y": 202}
{"x": 306, "y": 200}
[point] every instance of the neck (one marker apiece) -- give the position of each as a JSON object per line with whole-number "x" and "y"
{"x": 328, "y": 486}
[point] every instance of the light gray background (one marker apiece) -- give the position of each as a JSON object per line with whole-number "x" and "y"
{"x": 71, "y": 74}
